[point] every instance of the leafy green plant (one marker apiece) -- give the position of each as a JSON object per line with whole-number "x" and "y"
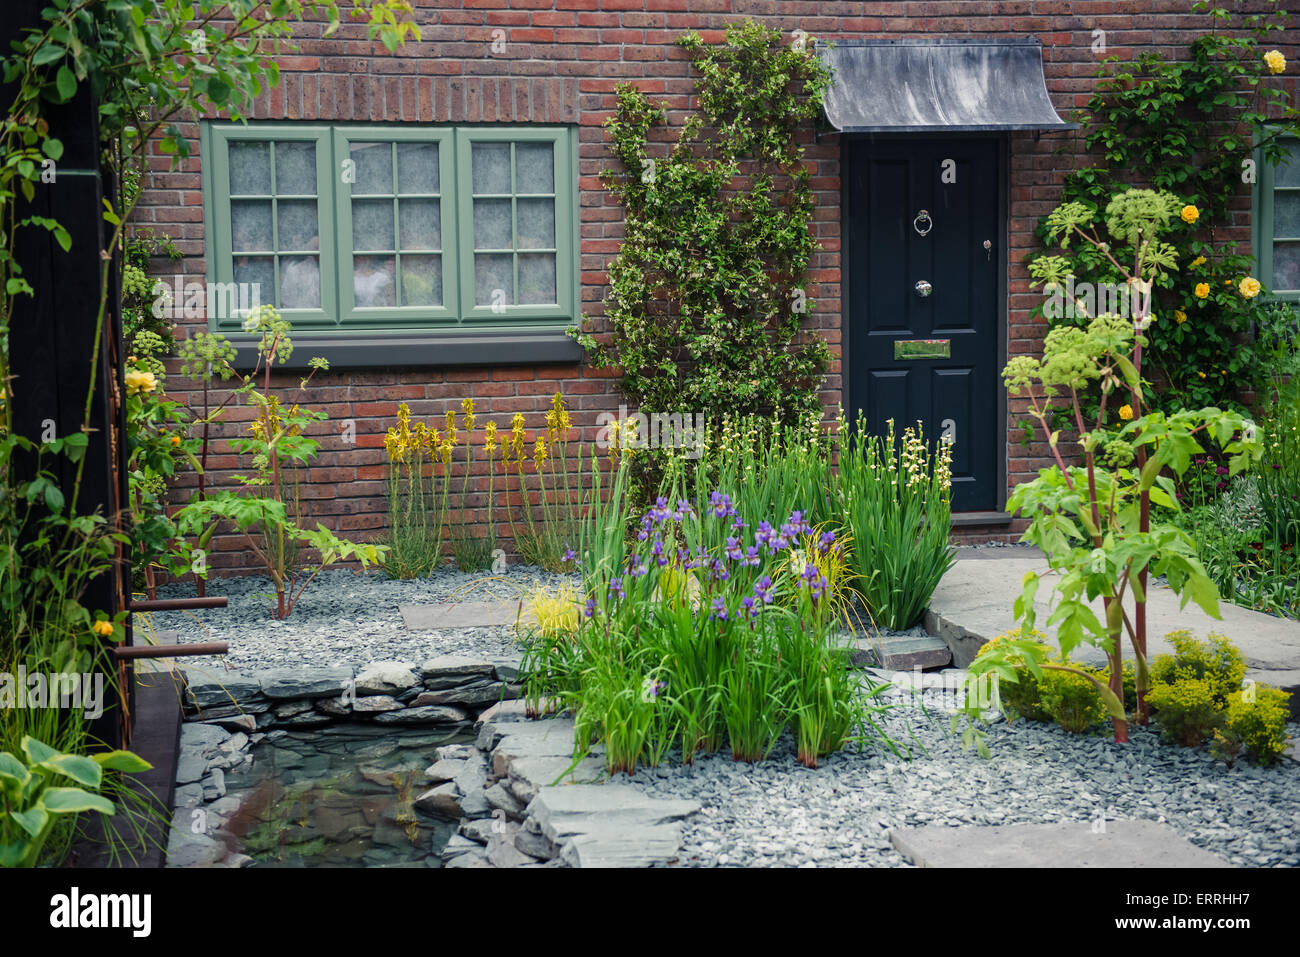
{"x": 1070, "y": 699}
{"x": 1186, "y": 709}
{"x": 278, "y": 445}
{"x": 1094, "y": 522}
{"x": 1018, "y": 688}
{"x": 33, "y": 802}
{"x": 707, "y": 306}
{"x": 896, "y": 501}
{"x": 1255, "y": 719}
{"x": 1217, "y": 662}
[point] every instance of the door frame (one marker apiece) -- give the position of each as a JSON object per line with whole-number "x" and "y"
{"x": 849, "y": 291}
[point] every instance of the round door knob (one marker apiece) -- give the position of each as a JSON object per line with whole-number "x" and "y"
{"x": 923, "y": 288}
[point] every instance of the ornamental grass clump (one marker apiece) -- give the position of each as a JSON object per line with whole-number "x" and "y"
{"x": 895, "y": 498}
{"x": 695, "y": 630}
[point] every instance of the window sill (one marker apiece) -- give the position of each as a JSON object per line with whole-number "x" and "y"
{"x": 379, "y": 350}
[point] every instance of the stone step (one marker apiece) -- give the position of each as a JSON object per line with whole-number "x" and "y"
{"x": 899, "y": 653}
{"x": 1075, "y": 844}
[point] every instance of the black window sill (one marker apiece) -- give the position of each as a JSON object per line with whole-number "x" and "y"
{"x": 379, "y": 350}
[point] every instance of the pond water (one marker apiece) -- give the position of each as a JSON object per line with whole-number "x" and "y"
{"x": 341, "y": 796}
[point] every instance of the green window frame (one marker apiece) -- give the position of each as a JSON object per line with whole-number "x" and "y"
{"x": 472, "y": 259}
{"x": 1274, "y": 233}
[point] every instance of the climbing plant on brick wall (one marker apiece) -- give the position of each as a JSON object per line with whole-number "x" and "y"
{"x": 708, "y": 302}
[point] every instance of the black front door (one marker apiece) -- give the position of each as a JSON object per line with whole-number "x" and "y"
{"x": 923, "y": 257}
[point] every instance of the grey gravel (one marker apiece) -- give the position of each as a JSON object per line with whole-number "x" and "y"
{"x": 345, "y": 617}
{"x": 779, "y": 813}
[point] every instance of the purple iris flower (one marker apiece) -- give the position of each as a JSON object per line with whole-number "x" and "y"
{"x": 720, "y": 505}
{"x": 826, "y": 541}
{"x": 590, "y": 610}
{"x": 616, "y": 587}
{"x": 719, "y": 610}
{"x": 748, "y": 604}
{"x": 734, "y": 551}
{"x": 751, "y": 556}
{"x": 569, "y": 556}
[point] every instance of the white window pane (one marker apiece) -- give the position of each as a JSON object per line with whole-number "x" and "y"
{"x": 259, "y": 272}
{"x": 537, "y": 278}
{"x": 250, "y": 168}
{"x": 422, "y": 280}
{"x": 295, "y": 168}
{"x": 1288, "y": 171}
{"x": 421, "y": 223}
{"x": 491, "y": 166}
{"x": 299, "y": 282}
{"x": 494, "y": 279}
{"x": 374, "y": 280}
{"x": 250, "y": 225}
{"x": 417, "y": 167}
{"x": 1286, "y": 215}
{"x": 492, "y": 224}
{"x": 372, "y": 224}
{"x": 1286, "y": 266}
{"x": 534, "y": 168}
{"x": 536, "y": 223}
{"x": 374, "y": 168}
{"x": 297, "y": 224}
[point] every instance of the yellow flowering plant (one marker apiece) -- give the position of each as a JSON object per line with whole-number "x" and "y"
{"x": 417, "y": 498}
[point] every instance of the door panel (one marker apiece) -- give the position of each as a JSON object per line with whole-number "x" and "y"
{"x": 957, "y": 183}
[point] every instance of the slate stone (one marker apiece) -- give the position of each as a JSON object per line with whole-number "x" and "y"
{"x": 501, "y": 849}
{"x": 459, "y": 614}
{"x": 333, "y": 707}
{"x": 285, "y": 683}
{"x": 310, "y": 719}
{"x": 233, "y": 710}
{"x": 291, "y": 708}
{"x": 453, "y": 752}
{"x": 187, "y": 849}
{"x": 502, "y": 711}
{"x": 444, "y": 770}
{"x": 475, "y": 858}
{"x": 190, "y": 767}
{"x": 188, "y": 795}
{"x": 457, "y": 846}
{"x": 606, "y": 847}
{"x": 214, "y": 785}
{"x": 1076, "y": 844}
{"x": 531, "y": 841}
{"x": 552, "y": 737}
{"x": 386, "y": 678}
{"x": 199, "y": 736}
{"x": 612, "y": 825}
{"x": 432, "y": 714}
{"x": 905, "y": 653}
{"x": 374, "y": 704}
{"x": 238, "y": 722}
{"x": 458, "y": 666}
{"x": 219, "y": 689}
{"x": 507, "y": 668}
{"x": 475, "y": 804}
{"x": 478, "y": 694}
{"x": 529, "y": 773}
{"x": 503, "y": 800}
{"x": 479, "y": 831}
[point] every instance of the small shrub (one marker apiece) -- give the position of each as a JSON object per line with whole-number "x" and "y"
{"x": 1258, "y": 724}
{"x": 1216, "y": 662}
{"x": 1021, "y": 696}
{"x": 1187, "y": 710}
{"x": 1071, "y": 699}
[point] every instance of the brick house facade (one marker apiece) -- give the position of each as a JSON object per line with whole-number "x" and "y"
{"x": 555, "y": 64}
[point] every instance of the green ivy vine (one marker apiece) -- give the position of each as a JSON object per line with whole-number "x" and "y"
{"x": 707, "y": 301}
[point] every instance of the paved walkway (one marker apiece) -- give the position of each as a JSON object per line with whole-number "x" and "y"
{"x": 973, "y": 604}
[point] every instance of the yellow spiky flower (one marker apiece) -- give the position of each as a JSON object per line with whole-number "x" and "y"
{"x": 539, "y": 452}
{"x": 517, "y": 440}
{"x": 467, "y": 406}
{"x": 490, "y": 436}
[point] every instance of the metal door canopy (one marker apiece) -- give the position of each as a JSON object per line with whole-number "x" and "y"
{"x": 938, "y": 86}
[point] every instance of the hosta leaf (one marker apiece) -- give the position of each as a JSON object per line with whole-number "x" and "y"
{"x": 75, "y": 801}
{"x": 122, "y": 761}
{"x": 81, "y": 769}
{"x": 32, "y": 820}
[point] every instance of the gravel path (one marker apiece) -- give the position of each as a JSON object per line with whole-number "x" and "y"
{"x": 776, "y": 812}
{"x": 779, "y": 813}
{"x": 343, "y": 617}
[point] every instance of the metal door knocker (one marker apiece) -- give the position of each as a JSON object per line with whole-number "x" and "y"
{"x": 916, "y": 223}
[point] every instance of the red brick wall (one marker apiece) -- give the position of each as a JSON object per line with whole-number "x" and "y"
{"x": 562, "y": 61}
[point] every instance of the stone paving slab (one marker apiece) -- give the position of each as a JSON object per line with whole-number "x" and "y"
{"x": 973, "y": 604}
{"x": 460, "y": 614}
{"x": 1121, "y": 844}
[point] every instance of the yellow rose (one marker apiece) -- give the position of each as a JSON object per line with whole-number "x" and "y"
{"x": 1249, "y": 287}
{"x": 1179, "y": 316}
{"x": 1202, "y": 290}
{"x": 1126, "y": 412}
{"x": 102, "y": 628}
{"x": 176, "y": 440}
{"x": 1275, "y": 61}
{"x": 140, "y": 382}
{"x": 1190, "y": 214}
{"x": 1201, "y": 374}
{"x": 1198, "y": 261}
